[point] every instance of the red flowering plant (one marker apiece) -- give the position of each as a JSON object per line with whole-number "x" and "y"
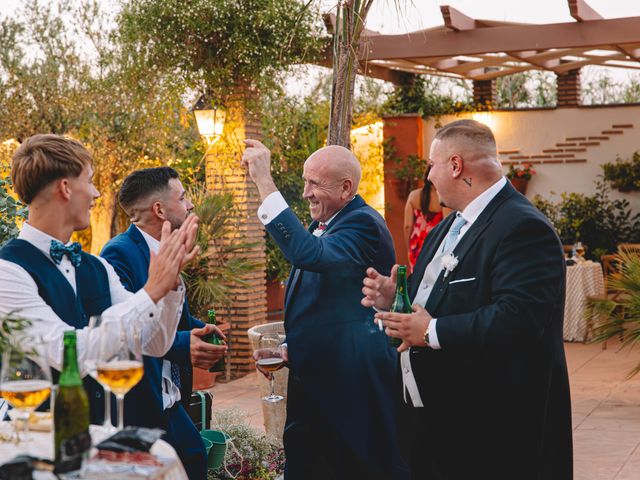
{"x": 525, "y": 171}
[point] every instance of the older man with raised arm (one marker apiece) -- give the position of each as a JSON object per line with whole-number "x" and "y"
{"x": 52, "y": 282}
{"x": 484, "y": 375}
{"x": 340, "y": 421}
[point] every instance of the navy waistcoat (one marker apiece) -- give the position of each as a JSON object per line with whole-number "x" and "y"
{"x": 92, "y": 298}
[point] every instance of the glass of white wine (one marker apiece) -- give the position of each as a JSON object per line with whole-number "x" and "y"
{"x": 269, "y": 360}
{"x": 25, "y": 382}
{"x": 119, "y": 364}
{"x": 96, "y": 324}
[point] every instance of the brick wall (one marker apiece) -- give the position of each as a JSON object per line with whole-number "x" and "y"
{"x": 569, "y": 89}
{"x": 484, "y": 91}
{"x": 224, "y": 173}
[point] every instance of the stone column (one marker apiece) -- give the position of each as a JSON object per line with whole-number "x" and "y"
{"x": 569, "y": 91}
{"x": 224, "y": 174}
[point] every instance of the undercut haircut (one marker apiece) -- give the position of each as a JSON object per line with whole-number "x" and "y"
{"x": 44, "y": 158}
{"x": 142, "y": 184}
{"x": 471, "y": 130}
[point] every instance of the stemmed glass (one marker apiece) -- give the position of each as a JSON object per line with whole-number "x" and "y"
{"x": 25, "y": 382}
{"x": 119, "y": 363}
{"x": 269, "y": 360}
{"x": 96, "y": 324}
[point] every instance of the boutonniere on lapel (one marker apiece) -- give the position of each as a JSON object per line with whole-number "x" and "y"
{"x": 449, "y": 263}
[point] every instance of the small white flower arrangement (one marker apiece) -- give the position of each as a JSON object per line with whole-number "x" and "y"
{"x": 449, "y": 263}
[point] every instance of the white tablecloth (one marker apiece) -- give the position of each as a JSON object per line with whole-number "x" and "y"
{"x": 583, "y": 279}
{"x": 41, "y": 445}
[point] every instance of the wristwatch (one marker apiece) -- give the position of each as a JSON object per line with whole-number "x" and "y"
{"x": 426, "y": 336}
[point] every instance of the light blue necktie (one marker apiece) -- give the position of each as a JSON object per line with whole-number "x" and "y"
{"x": 454, "y": 232}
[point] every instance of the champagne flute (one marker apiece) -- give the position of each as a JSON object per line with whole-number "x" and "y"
{"x": 25, "y": 382}
{"x": 269, "y": 360}
{"x": 96, "y": 324}
{"x": 120, "y": 364}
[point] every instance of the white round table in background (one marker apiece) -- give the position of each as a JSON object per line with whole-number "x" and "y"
{"x": 41, "y": 445}
{"x": 583, "y": 279}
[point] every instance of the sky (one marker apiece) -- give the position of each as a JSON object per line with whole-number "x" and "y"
{"x": 418, "y": 14}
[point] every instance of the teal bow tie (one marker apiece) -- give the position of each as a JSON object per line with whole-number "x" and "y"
{"x": 59, "y": 249}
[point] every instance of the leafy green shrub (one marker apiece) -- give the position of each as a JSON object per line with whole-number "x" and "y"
{"x": 596, "y": 220}
{"x": 11, "y": 210}
{"x": 251, "y": 454}
{"x": 623, "y": 175}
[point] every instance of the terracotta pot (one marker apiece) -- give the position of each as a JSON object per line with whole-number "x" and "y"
{"x": 520, "y": 184}
{"x": 275, "y": 300}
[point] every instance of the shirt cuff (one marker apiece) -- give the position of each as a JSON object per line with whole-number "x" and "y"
{"x": 433, "y": 335}
{"x": 143, "y": 304}
{"x": 272, "y": 206}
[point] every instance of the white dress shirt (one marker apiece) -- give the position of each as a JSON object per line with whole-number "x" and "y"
{"x": 19, "y": 294}
{"x": 431, "y": 274}
{"x": 170, "y": 392}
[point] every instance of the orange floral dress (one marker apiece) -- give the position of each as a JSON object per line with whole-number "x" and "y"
{"x": 422, "y": 225}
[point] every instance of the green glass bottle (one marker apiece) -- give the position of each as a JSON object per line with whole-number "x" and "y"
{"x": 72, "y": 441}
{"x": 401, "y": 302}
{"x": 215, "y": 340}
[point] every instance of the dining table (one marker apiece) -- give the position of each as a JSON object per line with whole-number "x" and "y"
{"x": 40, "y": 444}
{"x": 584, "y": 279}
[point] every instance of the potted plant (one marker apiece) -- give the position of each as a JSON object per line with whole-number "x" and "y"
{"x": 619, "y": 314}
{"x": 520, "y": 176}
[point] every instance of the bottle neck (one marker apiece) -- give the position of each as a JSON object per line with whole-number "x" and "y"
{"x": 70, "y": 373}
{"x": 401, "y": 283}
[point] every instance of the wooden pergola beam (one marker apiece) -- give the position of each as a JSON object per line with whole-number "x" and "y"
{"x": 436, "y": 43}
{"x": 456, "y": 20}
{"x": 582, "y": 12}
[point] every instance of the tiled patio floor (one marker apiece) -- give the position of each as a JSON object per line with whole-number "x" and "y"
{"x": 606, "y": 410}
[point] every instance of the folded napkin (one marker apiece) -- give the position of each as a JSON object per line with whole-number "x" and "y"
{"x": 131, "y": 440}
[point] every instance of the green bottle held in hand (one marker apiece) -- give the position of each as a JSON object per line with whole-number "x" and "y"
{"x": 215, "y": 340}
{"x": 401, "y": 302}
{"x": 72, "y": 441}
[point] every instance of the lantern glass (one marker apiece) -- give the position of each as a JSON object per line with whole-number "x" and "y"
{"x": 210, "y": 123}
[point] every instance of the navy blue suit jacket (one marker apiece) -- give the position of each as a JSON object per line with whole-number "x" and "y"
{"x": 128, "y": 253}
{"x": 497, "y": 394}
{"x": 336, "y": 351}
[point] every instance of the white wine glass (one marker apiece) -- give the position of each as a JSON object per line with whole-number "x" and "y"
{"x": 96, "y": 323}
{"x": 269, "y": 360}
{"x": 25, "y": 382}
{"x": 119, "y": 365}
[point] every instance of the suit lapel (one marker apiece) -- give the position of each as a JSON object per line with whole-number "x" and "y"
{"x": 296, "y": 274}
{"x": 463, "y": 247}
{"x": 139, "y": 240}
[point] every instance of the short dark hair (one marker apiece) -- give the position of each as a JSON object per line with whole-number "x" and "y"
{"x": 143, "y": 183}
{"x": 43, "y": 158}
{"x": 469, "y": 129}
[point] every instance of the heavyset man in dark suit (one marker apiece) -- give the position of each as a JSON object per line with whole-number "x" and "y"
{"x": 485, "y": 392}
{"x": 151, "y": 197}
{"x": 340, "y": 422}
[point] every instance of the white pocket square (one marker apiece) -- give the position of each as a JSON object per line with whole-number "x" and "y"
{"x": 462, "y": 280}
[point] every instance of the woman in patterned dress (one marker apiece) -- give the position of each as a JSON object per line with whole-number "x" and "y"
{"x": 421, "y": 213}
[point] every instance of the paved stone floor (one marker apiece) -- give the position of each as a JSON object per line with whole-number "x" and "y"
{"x": 606, "y": 410}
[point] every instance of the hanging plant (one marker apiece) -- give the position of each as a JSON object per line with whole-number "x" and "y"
{"x": 623, "y": 175}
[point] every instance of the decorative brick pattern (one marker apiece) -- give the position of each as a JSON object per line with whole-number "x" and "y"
{"x": 570, "y": 147}
{"x": 507, "y": 152}
{"x": 249, "y": 305}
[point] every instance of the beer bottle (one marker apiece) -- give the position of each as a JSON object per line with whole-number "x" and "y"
{"x": 72, "y": 441}
{"x": 401, "y": 302}
{"x": 215, "y": 340}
